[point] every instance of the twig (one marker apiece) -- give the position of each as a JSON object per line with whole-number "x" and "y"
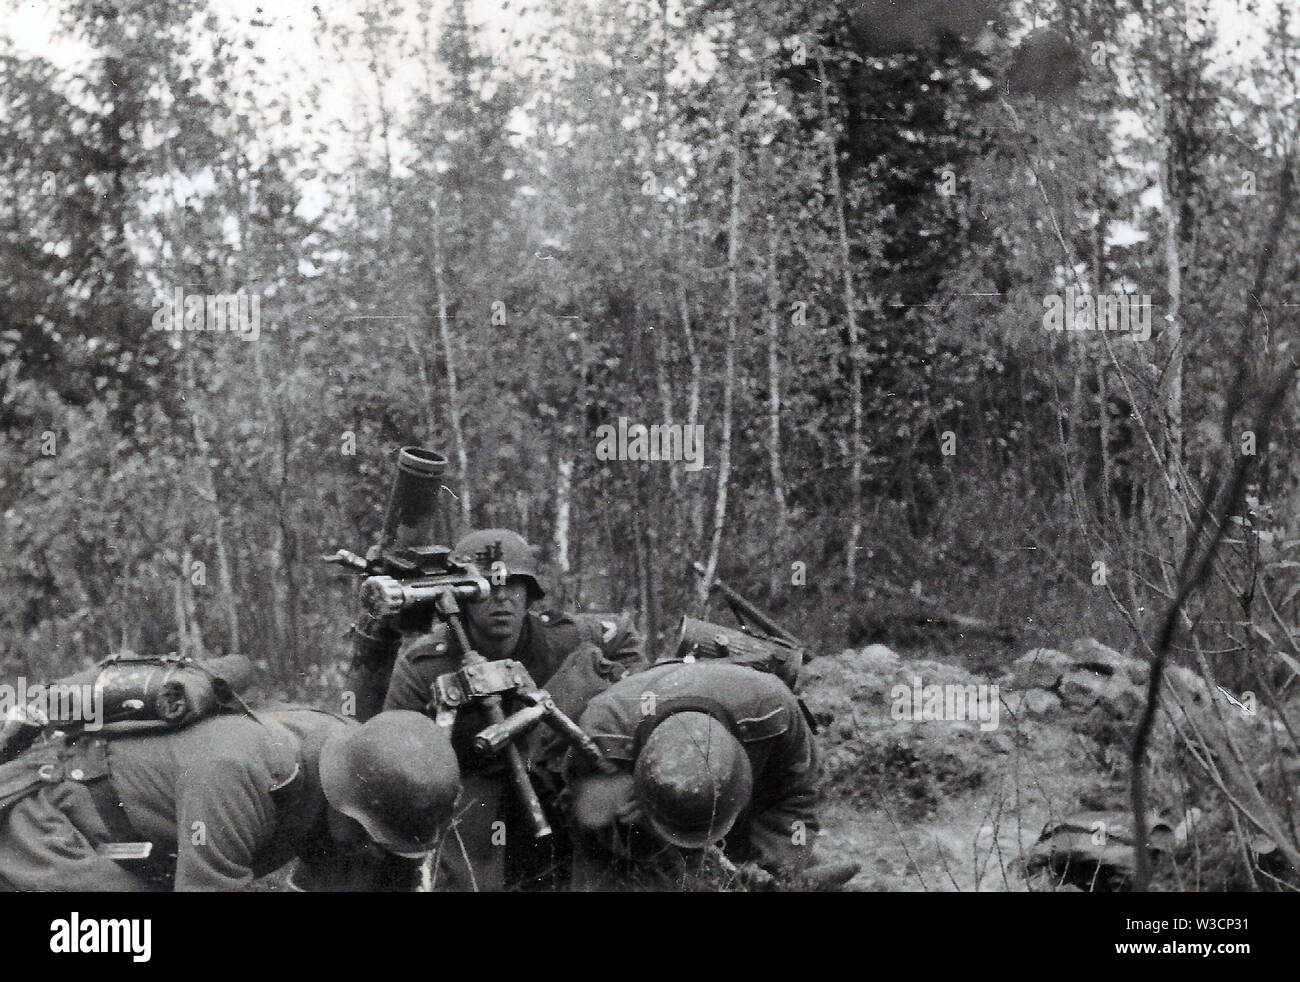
{"x": 1194, "y": 571}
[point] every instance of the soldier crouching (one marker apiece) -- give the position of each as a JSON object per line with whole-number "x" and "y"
{"x": 709, "y": 766}
{"x": 572, "y": 656}
{"x": 215, "y": 804}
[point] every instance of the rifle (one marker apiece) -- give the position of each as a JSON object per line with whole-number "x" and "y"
{"x": 769, "y": 648}
{"x": 406, "y": 587}
{"x": 746, "y": 611}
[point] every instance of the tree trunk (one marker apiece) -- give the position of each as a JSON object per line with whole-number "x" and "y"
{"x": 182, "y": 621}
{"x": 207, "y": 481}
{"x": 642, "y": 572}
{"x": 692, "y": 409}
{"x": 774, "y": 379}
{"x": 1173, "y": 332}
{"x": 267, "y": 407}
{"x": 654, "y": 613}
{"x": 426, "y": 386}
{"x": 665, "y": 395}
{"x": 729, "y": 378}
{"x": 229, "y": 602}
{"x": 194, "y": 637}
{"x": 284, "y": 517}
{"x": 856, "y": 449}
{"x": 453, "y": 387}
{"x": 563, "y": 495}
{"x": 1103, "y": 393}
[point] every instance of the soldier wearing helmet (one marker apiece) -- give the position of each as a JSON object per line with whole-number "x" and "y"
{"x": 700, "y": 754}
{"x": 228, "y": 799}
{"x": 573, "y": 656}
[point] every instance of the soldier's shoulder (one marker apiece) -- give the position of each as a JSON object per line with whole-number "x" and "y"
{"x": 550, "y": 616}
{"x": 747, "y": 676}
{"x": 602, "y": 628}
{"x": 262, "y": 747}
{"x": 298, "y": 716}
{"x": 764, "y": 705}
{"x": 436, "y": 644}
{"x": 611, "y": 704}
{"x": 633, "y": 686}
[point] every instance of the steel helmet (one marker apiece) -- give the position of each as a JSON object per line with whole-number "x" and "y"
{"x": 692, "y": 779}
{"x": 396, "y": 775}
{"x": 488, "y": 546}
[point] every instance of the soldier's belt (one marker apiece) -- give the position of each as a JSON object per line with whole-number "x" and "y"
{"x": 85, "y": 762}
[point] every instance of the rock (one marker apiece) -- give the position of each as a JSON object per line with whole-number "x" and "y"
{"x": 1106, "y": 797}
{"x": 1100, "y": 725}
{"x": 879, "y": 656}
{"x": 1040, "y": 668}
{"x": 1189, "y": 684}
{"x": 1291, "y": 709}
{"x": 1002, "y": 743}
{"x": 1013, "y": 702}
{"x": 933, "y": 672}
{"x": 1262, "y": 845}
{"x": 1089, "y": 653}
{"x": 1187, "y": 827}
{"x": 1040, "y": 702}
{"x": 1082, "y": 689}
{"x": 1094, "y": 849}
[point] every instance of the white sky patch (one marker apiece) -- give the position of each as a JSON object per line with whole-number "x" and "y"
{"x": 298, "y": 56}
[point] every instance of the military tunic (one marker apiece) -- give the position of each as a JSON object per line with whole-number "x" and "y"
{"x": 776, "y": 829}
{"x": 574, "y": 657}
{"x": 228, "y": 799}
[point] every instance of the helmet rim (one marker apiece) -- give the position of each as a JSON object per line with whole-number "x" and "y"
{"x": 340, "y": 784}
{"x": 515, "y": 550}
{"x": 732, "y": 787}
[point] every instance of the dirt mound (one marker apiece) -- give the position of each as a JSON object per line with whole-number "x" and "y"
{"x": 870, "y": 754}
{"x": 926, "y": 800}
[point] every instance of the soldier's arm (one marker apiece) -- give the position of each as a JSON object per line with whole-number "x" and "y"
{"x": 621, "y": 642}
{"x": 598, "y": 841}
{"x": 224, "y": 815}
{"x": 784, "y": 820}
{"x": 408, "y": 688}
{"x": 576, "y": 770}
{"x": 612, "y": 650}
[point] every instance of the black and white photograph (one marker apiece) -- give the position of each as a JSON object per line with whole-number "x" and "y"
{"x": 651, "y": 447}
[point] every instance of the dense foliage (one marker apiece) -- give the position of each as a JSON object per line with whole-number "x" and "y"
{"x": 823, "y": 232}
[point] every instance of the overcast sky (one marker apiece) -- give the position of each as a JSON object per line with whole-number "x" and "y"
{"x": 296, "y": 54}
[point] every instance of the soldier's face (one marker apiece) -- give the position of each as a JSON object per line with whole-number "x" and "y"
{"x": 500, "y": 617}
